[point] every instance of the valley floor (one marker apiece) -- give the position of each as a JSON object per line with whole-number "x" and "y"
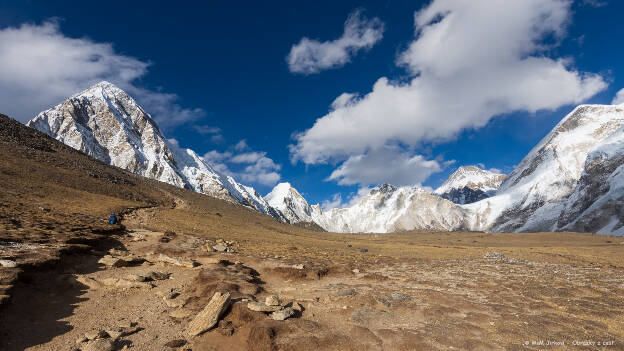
{"x": 412, "y": 291}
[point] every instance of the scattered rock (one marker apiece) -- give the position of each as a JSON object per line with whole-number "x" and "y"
{"x": 283, "y": 314}
{"x": 8, "y": 263}
{"x": 121, "y": 331}
{"x": 346, "y": 292}
{"x": 110, "y": 261}
{"x": 221, "y": 247}
{"x": 157, "y": 275}
{"x": 95, "y": 334}
{"x": 168, "y": 294}
{"x": 207, "y": 248}
{"x": 175, "y": 343}
{"x": 180, "y": 313}
{"x": 209, "y": 316}
{"x": 99, "y": 345}
{"x": 176, "y": 303}
{"x": 136, "y": 278}
{"x": 494, "y": 255}
{"x": 296, "y": 306}
{"x": 177, "y": 261}
{"x": 355, "y": 271}
{"x": 272, "y": 300}
{"x": 383, "y": 301}
{"x": 126, "y": 324}
{"x": 261, "y": 307}
{"x": 399, "y": 297}
{"x": 81, "y": 339}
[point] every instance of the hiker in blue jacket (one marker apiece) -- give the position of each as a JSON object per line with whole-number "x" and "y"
{"x": 113, "y": 219}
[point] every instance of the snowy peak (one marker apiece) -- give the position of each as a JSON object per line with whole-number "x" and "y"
{"x": 555, "y": 185}
{"x": 469, "y": 184}
{"x": 388, "y": 208}
{"x": 291, "y": 204}
{"x": 471, "y": 177}
{"x": 107, "y": 124}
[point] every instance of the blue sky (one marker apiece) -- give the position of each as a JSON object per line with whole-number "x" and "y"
{"x": 227, "y": 66}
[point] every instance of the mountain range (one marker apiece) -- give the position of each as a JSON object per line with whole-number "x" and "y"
{"x": 572, "y": 180}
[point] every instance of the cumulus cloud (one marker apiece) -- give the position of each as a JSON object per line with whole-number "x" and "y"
{"x": 40, "y": 67}
{"x": 312, "y": 56}
{"x": 469, "y": 61}
{"x": 619, "y": 98}
{"x": 387, "y": 164}
{"x": 244, "y": 164}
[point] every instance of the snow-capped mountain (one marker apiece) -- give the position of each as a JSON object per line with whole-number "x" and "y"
{"x": 107, "y": 124}
{"x": 292, "y": 205}
{"x": 470, "y": 184}
{"x": 384, "y": 209}
{"x": 388, "y": 209}
{"x": 570, "y": 181}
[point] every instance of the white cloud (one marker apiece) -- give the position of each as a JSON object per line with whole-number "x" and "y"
{"x": 470, "y": 61}
{"x": 241, "y": 145}
{"x": 312, "y": 56}
{"x": 206, "y": 130}
{"x": 248, "y": 157}
{"x": 386, "y": 164}
{"x": 249, "y": 166}
{"x": 619, "y": 98}
{"x": 40, "y": 67}
{"x": 213, "y": 132}
{"x": 215, "y": 156}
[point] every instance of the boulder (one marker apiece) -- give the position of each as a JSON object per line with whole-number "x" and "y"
{"x": 210, "y": 315}
{"x": 283, "y": 314}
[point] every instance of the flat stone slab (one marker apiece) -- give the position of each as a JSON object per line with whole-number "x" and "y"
{"x": 209, "y": 316}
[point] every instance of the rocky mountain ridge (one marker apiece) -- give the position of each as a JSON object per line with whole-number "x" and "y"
{"x": 106, "y": 123}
